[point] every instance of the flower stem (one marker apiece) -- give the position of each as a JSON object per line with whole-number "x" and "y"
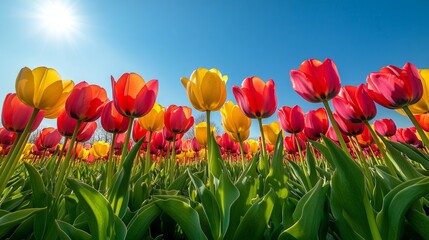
{"x": 110, "y": 163}
{"x": 173, "y": 160}
{"x": 336, "y": 129}
{"x": 417, "y": 125}
{"x": 148, "y": 161}
{"x": 243, "y": 161}
{"x": 126, "y": 142}
{"x": 264, "y": 148}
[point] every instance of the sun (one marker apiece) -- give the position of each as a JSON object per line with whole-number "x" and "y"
{"x": 58, "y": 19}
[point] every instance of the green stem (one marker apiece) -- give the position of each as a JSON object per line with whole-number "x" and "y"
{"x": 110, "y": 163}
{"x": 211, "y": 180}
{"x": 264, "y": 148}
{"x": 365, "y": 165}
{"x": 336, "y": 129}
{"x": 243, "y": 161}
{"x": 12, "y": 161}
{"x": 148, "y": 162}
{"x": 417, "y": 125}
{"x": 371, "y": 220}
{"x": 127, "y": 139}
{"x": 173, "y": 159}
{"x": 381, "y": 149}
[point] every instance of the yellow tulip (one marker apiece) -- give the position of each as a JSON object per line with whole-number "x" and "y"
{"x": 422, "y": 106}
{"x": 253, "y": 146}
{"x": 27, "y": 149}
{"x": 42, "y": 88}
{"x": 271, "y": 131}
{"x": 83, "y": 154}
{"x": 206, "y": 89}
{"x": 154, "y": 120}
{"x": 99, "y": 149}
{"x": 201, "y": 133}
{"x": 235, "y": 123}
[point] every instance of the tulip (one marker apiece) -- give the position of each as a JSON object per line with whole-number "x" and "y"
{"x": 83, "y": 154}
{"x": 331, "y": 134}
{"x": 294, "y": 144}
{"x": 86, "y": 102}
{"x": 178, "y": 119}
{"x": 201, "y": 133}
{"x": 195, "y": 146}
{"x": 138, "y": 131}
{"x": 112, "y": 121}
{"x": 291, "y": 119}
{"x": 154, "y": 120}
{"x": 66, "y": 125}
{"x": 15, "y": 115}
{"x": 316, "y": 81}
{"x": 120, "y": 142}
{"x": 87, "y": 132}
{"x": 271, "y": 132}
{"x": 206, "y": 89}
{"x": 385, "y": 127}
{"x": 348, "y": 128}
{"x": 235, "y": 123}
{"x": 422, "y": 106}
{"x": 42, "y": 88}
{"x": 408, "y": 136}
{"x": 365, "y": 139}
{"x": 48, "y": 138}
{"x": 99, "y": 149}
{"x": 158, "y": 141}
{"x": 228, "y": 144}
{"x": 253, "y": 146}
{"x": 6, "y": 137}
{"x": 354, "y": 104}
{"x": 316, "y": 123}
{"x": 423, "y": 120}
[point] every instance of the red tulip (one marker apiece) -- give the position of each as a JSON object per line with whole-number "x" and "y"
{"x": 423, "y": 120}
{"x": 333, "y": 136}
{"x": 227, "y": 144}
{"x": 354, "y": 104}
{"x": 316, "y": 81}
{"x": 385, "y": 127}
{"x": 86, "y": 133}
{"x": 316, "y": 123}
{"x": 348, "y": 128}
{"x": 133, "y": 97}
{"x": 138, "y": 132}
{"x": 291, "y": 146}
{"x": 394, "y": 88}
{"x": 169, "y": 136}
{"x": 178, "y": 119}
{"x": 119, "y": 143}
{"x": 408, "y": 136}
{"x": 195, "y": 146}
{"x": 158, "y": 140}
{"x": 67, "y": 124}
{"x": 255, "y": 98}
{"x": 291, "y": 119}
{"x": 112, "y": 121}
{"x": 48, "y": 138}
{"x": 6, "y": 137}
{"x": 365, "y": 139}
{"x": 15, "y": 114}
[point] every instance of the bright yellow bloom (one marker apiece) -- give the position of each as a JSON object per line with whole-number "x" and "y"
{"x": 42, "y": 88}
{"x": 99, "y": 149}
{"x": 271, "y": 131}
{"x": 154, "y": 120}
{"x": 83, "y": 154}
{"x": 206, "y": 89}
{"x": 201, "y": 133}
{"x": 253, "y": 146}
{"x": 27, "y": 149}
{"x": 422, "y": 106}
{"x": 235, "y": 122}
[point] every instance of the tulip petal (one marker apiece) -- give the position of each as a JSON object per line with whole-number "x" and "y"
{"x": 24, "y": 86}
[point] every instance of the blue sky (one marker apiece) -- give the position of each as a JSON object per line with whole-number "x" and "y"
{"x": 167, "y": 40}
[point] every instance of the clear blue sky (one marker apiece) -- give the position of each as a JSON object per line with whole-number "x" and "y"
{"x": 167, "y": 40}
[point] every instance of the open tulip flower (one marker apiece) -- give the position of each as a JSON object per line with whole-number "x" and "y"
{"x": 316, "y": 123}
{"x": 42, "y": 88}
{"x": 154, "y": 120}
{"x": 6, "y": 137}
{"x": 291, "y": 119}
{"x": 99, "y": 149}
{"x": 66, "y": 124}
{"x": 235, "y": 123}
{"x": 206, "y": 89}
{"x": 178, "y": 119}
{"x": 87, "y": 132}
{"x": 48, "y": 138}
{"x": 112, "y": 121}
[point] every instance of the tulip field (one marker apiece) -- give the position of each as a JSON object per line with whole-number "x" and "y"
{"x": 336, "y": 172}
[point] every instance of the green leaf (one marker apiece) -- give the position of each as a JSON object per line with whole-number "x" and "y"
{"x": 184, "y": 215}
{"x": 97, "y": 208}
{"x": 13, "y": 219}
{"x": 66, "y": 231}
{"x": 209, "y": 204}
{"x": 419, "y": 222}
{"x": 118, "y": 193}
{"x": 412, "y": 153}
{"x": 216, "y": 162}
{"x": 311, "y": 166}
{"x": 139, "y": 225}
{"x": 179, "y": 183}
{"x": 402, "y": 166}
{"x": 277, "y": 177}
{"x": 300, "y": 175}
{"x": 396, "y": 203}
{"x": 255, "y": 221}
{"x": 39, "y": 197}
{"x": 120, "y": 229}
{"x": 307, "y": 225}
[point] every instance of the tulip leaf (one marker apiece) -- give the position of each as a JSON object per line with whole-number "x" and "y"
{"x": 66, "y": 231}
{"x": 184, "y": 215}
{"x": 39, "y": 197}
{"x": 139, "y": 225}
{"x": 13, "y": 219}
{"x": 277, "y": 177}
{"x": 97, "y": 208}
{"x": 402, "y": 166}
{"x": 209, "y": 205}
{"x": 412, "y": 153}
{"x": 216, "y": 162}
{"x": 311, "y": 166}
{"x": 307, "y": 225}
{"x": 396, "y": 203}
{"x": 419, "y": 222}
{"x": 118, "y": 195}
{"x": 256, "y": 219}
{"x": 347, "y": 187}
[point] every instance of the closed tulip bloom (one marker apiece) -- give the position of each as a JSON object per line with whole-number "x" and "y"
{"x": 169, "y": 136}
{"x": 365, "y": 139}
{"x": 138, "y": 131}
{"x": 385, "y": 127}
{"x": 154, "y": 120}
{"x": 15, "y": 114}
{"x": 178, "y": 119}
{"x": 112, "y": 121}
{"x": 86, "y": 102}
{"x": 83, "y": 154}
{"x": 422, "y": 106}
{"x": 67, "y": 124}
{"x": 48, "y": 138}
{"x": 316, "y": 123}
{"x": 291, "y": 119}
{"x": 408, "y": 136}
{"x": 423, "y": 120}
{"x": 290, "y": 144}
{"x": 316, "y": 81}
{"x": 158, "y": 140}
{"x": 133, "y": 97}
{"x": 99, "y": 149}
{"x": 271, "y": 131}
{"x": 235, "y": 123}
{"x": 42, "y": 88}
{"x": 206, "y": 89}
{"x": 354, "y": 104}
{"x": 86, "y": 133}
{"x": 201, "y": 133}
{"x": 394, "y": 88}
{"x": 349, "y": 128}
{"x": 253, "y": 146}
{"x": 6, "y": 137}
{"x": 256, "y": 98}
{"x": 228, "y": 145}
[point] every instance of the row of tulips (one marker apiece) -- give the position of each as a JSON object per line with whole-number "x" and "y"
{"x": 212, "y": 186}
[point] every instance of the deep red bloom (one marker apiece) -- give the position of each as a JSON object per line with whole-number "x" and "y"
{"x": 227, "y": 144}
{"x": 255, "y": 98}
{"x": 158, "y": 140}
{"x": 196, "y": 147}
{"x": 348, "y": 128}
{"x": 48, "y": 138}
{"x": 393, "y": 87}
{"x": 408, "y": 136}
{"x": 138, "y": 132}
{"x": 86, "y": 133}
{"x": 331, "y": 134}
{"x": 133, "y": 97}
{"x": 291, "y": 119}
{"x": 354, "y": 104}
{"x": 15, "y": 114}
{"x": 316, "y": 81}
{"x": 178, "y": 119}
{"x": 6, "y": 137}
{"x": 86, "y": 102}
{"x": 316, "y": 123}
{"x": 385, "y": 127}
{"x": 112, "y": 121}
{"x": 291, "y": 146}
{"x": 67, "y": 124}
